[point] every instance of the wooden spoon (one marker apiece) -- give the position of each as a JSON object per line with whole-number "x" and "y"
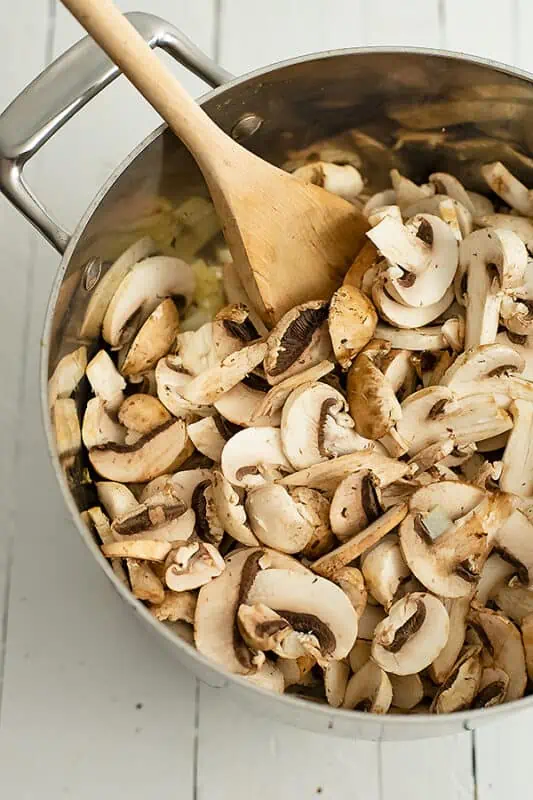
{"x": 290, "y": 241}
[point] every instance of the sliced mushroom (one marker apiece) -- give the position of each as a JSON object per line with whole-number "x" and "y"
{"x": 142, "y": 289}
{"x": 408, "y": 192}
{"x": 263, "y": 629}
{"x": 451, "y": 563}
{"x": 336, "y": 674}
{"x": 505, "y": 647}
{"x": 207, "y": 438}
{"x": 236, "y": 294}
{"x": 402, "y": 316}
{"x": 384, "y": 569}
{"x": 527, "y": 638}
{"x": 407, "y": 691}
{"x": 139, "y": 549}
{"x": 277, "y": 520}
{"x": 430, "y": 414}
{"x": 314, "y": 507}
{"x": 424, "y": 339}
{"x": 154, "y": 454}
{"x": 176, "y": 607}
{"x": 369, "y": 690}
{"x": 153, "y": 341}
{"x": 343, "y": 180}
{"x": 142, "y": 413}
{"x": 254, "y": 455}
{"x": 311, "y": 605}
{"x": 109, "y": 283}
{"x": 515, "y": 600}
{"x": 241, "y": 404}
{"x": 268, "y": 676}
{"x": 492, "y": 688}
{"x": 373, "y": 403}
{"x": 495, "y": 573}
{"x": 461, "y": 685}
{"x": 300, "y": 340}
{"x": 364, "y": 261}
{"x": 457, "y": 609}
{"x": 352, "y": 321}
{"x": 179, "y": 486}
{"x": 517, "y": 471}
{"x": 145, "y": 585}
{"x": 211, "y": 384}
{"x": 329, "y": 564}
{"x": 159, "y": 519}
{"x": 351, "y": 581}
{"x": 510, "y": 189}
{"x": 171, "y": 381}
{"x": 116, "y": 498}
{"x": 67, "y": 375}
{"x": 449, "y": 185}
{"x": 315, "y": 426}
{"x": 98, "y": 428}
{"x": 412, "y": 635}
{"x": 67, "y": 430}
{"x": 275, "y": 398}
{"x": 193, "y": 565}
{"x": 359, "y": 654}
{"x": 327, "y": 475}
{"x": 355, "y": 504}
{"x": 514, "y": 541}
{"x": 231, "y": 511}
{"x": 106, "y": 381}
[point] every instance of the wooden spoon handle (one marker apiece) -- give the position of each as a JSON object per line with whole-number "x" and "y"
{"x": 123, "y": 44}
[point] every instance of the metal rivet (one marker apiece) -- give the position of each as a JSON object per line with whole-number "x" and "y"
{"x": 91, "y": 273}
{"x": 246, "y": 126}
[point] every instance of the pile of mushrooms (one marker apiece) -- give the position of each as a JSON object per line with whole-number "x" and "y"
{"x": 341, "y": 507}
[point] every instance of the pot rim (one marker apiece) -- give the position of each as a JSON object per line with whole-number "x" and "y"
{"x": 467, "y": 719}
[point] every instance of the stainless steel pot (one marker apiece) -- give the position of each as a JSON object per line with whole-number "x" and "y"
{"x": 486, "y": 107}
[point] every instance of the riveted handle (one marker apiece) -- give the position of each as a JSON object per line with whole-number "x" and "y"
{"x": 60, "y": 91}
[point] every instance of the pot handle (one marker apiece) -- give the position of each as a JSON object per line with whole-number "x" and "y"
{"x": 60, "y": 91}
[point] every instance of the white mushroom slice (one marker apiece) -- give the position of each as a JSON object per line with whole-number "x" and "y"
{"x": 98, "y": 428}
{"x": 336, "y": 674}
{"x": 314, "y": 507}
{"x": 109, "y": 283}
{"x": 504, "y": 645}
{"x": 509, "y": 188}
{"x": 154, "y": 454}
{"x": 461, "y": 685}
{"x": 482, "y": 205}
{"x": 179, "y": 486}
{"x": 343, "y": 180}
{"x": 369, "y": 690}
{"x": 403, "y": 316}
{"x": 145, "y": 585}
{"x": 332, "y": 562}
{"x": 515, "y": 600}
{"x": 297, "y": 671}
{"x": 176, "y": 607}
{"x": 327, "y": 475}
{"x": 208, "y": 524}
{"x": 445, "y": 183}
{"x": 514, "y": 541}
{"x": 363, "y": 265}
{"x": 457, "y": 609}
{"x": 407, "y": 192}
{"x": 413, "y": 634}
{"x": 299, "y": 340}
{"x": 516, "y": 315}
{"x": 67, "y": 430}
{"x": 492, "y": 689}
{"x": 373, "y": 403}
{"x": 424, "y": 339}
{"x": 495, "y": 262}
{"x": 276, "y": 519}
{"x": 231, "y": 512}
{"x": 355, "y": 504}
{"x": 142, "y": 289}
{"x": 527, "y": 638}
{"x": 207, "y": 438}
{"x": 142, "y": 413}
{"x": 479, "y": 363}
{"x": 360, "y": 653}
{"x": 517, "y": 471}
{"x": 371, "y": 617}
{"x": 351, "y": 581}
{"x": 426, "y": 458}
{"x": 268, "y": 676}
{"x": 153, "y": 341}
{"x": 397, "y": 366}
{"x": 264, "y": 629}
{"x": 311, "y": 605}
{"x": 315, "y": 426}
{"x": 451, "y": 211}
{"x": 159, "y": 519}
{"x": 236, "y": 294}
{"x": 495, "y": 574}
{"x": 67, "y": 375}
{"x": 106, "y": 381}
{"x": 352, "y": 321}
{"x": 275, "y": 398}
{"x": 384, "y": 569}
{"x": 143, "y": 549}
{"x": 211, "y": 384}
{"x": 116, "y": 498}
{"x": 241, "y": 404}
{"x": 172, "y": 380}
{"x": 456, "y": 498}
{"x": 215, "y": 631}
{"x": 196, "y": 349}
{"x": 451, "y": 563}
{"x": 379, "y": 213}
{"x": 522, "y": 226}
{"x": 431, "y": 413}
{"x": 429, "y": 287}
{"x": 378, "y": 200}
{"x": 407, "y": 691}
{"x": 453, "y": 331}
{"x": 193, "y": 565}
{"x": 254, "y": 455}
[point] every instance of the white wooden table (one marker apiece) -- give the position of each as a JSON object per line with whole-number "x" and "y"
{"x": 89, "y": 707}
